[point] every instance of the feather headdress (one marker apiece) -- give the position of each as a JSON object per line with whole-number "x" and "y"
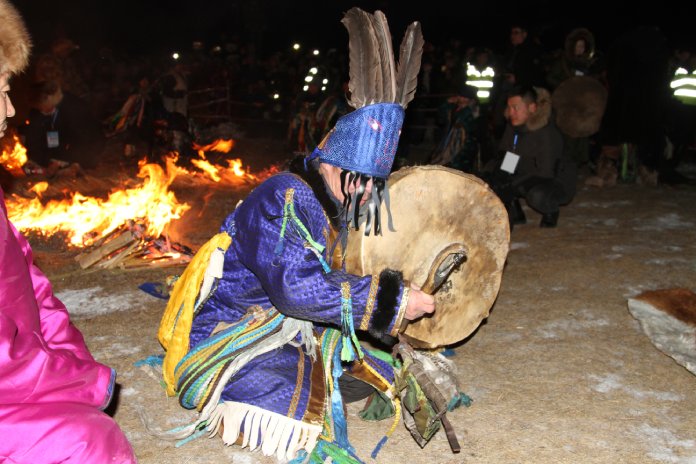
{"x": 374, "y": 76}
{"x": 363, "y": 143}
{"x": 15, "y": 42}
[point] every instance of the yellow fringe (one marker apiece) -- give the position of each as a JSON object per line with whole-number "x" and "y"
{"x": 397, "y": 416}
{"x": 175, "y": 327}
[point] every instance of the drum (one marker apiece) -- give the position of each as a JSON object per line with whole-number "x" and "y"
{"x": 451, "y": 237}
{"x": 579, "y": 103}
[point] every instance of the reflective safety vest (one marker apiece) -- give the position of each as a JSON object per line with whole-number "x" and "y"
{"x": 482, "y": 80}
{"x": 684, "y": 86}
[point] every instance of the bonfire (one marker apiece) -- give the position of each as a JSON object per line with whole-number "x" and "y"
{"x": 128, "y": 228}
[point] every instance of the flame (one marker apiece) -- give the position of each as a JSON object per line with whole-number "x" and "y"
{"x": 207, "y": 168}
{"x": 221, "y": 145}
{"x": 15, "y": 159}
{"x": 39, "y": 188}
{"x": 85, "y": 219}
{"x": 232, "y": 174}
{"x": 235, "y": 166}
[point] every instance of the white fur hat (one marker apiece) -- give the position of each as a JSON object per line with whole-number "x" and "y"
{"x": 15, "y": 42}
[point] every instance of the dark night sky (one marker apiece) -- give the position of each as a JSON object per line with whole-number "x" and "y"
{"x": 150, "y": 26}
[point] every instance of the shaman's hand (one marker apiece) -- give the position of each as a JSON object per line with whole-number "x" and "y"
{"x": 419, "y": 303}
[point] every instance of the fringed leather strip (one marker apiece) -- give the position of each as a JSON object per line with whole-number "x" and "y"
{"x": 351, "y": 345}
{"x": 269, "y": 432}
{"x": 289, "y": 215}
{"x": 208, "y": 417}
{"x": 198, "y": 372}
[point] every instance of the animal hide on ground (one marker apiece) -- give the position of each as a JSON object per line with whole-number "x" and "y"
{"x": 668, "y": 317}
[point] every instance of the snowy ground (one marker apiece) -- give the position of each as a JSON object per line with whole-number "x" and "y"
{"x": 560, "y": 372}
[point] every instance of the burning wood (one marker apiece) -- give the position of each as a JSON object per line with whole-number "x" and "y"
{"x": 86, "y": 219}
{"x": 127, "y": 229}
{"x": 129, "y": 247}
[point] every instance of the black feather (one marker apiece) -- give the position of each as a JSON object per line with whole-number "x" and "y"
{"x": 363, "y": 52}
{"x": 386, "y": 55}
{"x": 408, "y": 69}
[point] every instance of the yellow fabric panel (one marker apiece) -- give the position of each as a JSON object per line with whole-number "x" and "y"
{"x": 175, "y": 326}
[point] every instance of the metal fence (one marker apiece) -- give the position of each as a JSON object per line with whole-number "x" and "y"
{"x": 217, "y": 104}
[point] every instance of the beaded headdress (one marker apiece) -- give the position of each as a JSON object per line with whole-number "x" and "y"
{"x": 363, "y": 142}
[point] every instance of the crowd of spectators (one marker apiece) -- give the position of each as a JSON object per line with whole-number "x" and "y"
{"x": 235, "y": 81}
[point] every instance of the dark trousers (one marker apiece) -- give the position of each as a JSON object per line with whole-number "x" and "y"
{"x": 541, "y": 194}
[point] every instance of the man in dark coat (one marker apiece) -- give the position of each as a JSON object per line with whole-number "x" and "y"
{"x": 61, "y": 129}
{"x": 520, "y": 66}
{"x": 531, "y": 164}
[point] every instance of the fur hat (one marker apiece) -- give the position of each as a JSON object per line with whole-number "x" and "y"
{"x": 15, "y": 42}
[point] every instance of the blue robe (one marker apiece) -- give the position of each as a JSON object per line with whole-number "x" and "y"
{"x": 291, "y": 265}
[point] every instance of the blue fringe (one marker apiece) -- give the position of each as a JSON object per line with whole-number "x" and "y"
{"x": 339, "y": 420}
{"x": 153, "y": 360}
{"x": 379, "y": 446}
{"x": 459, "y": 400}
{"x": 191, "y": 437}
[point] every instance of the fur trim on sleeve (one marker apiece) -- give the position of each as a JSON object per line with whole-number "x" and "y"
{"x": 390, "y": 284}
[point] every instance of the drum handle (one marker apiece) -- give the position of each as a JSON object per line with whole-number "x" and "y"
{"x": 446, "y": 261}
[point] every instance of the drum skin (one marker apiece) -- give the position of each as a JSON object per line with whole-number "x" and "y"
{"x": 435, "y": 208}
{"x": 579, "y": 103}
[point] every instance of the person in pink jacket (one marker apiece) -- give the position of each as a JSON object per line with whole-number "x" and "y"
{"x": 52, "y": 391}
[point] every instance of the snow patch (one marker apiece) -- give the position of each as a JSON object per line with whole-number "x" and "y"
{"x": 612, "y": 382}
{"x": 663, "y": 444}
{"x": 575, "y": 323}
{"x": 668, "y": 221}
{"x": 107, "y": 351}
{"x": 666, "y": 261}
{"x": 604, "y": 204}
{"x": 91, "y": 302}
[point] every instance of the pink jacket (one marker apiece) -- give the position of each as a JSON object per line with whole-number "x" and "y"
{"x": 51, "y": 388}
{"x": 43, "y": 357}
